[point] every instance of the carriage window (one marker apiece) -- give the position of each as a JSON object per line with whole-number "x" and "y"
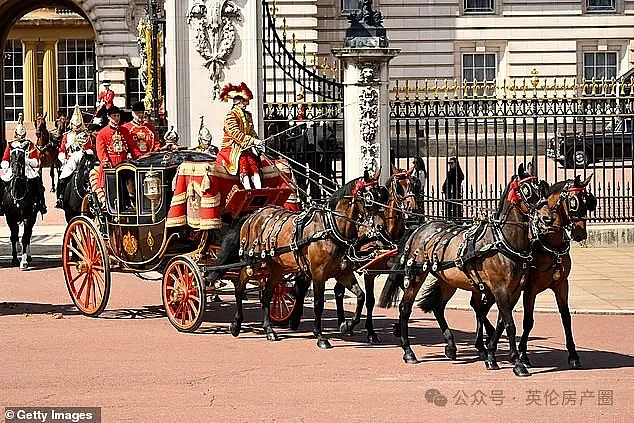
{"x": 127, "y": 191}
{"x": 601, "y": 5}
{"x": 479, "y": 6}
{"x": 111, "y": 192}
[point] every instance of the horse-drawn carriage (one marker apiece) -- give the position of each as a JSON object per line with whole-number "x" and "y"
{"x": 166, "y": 212}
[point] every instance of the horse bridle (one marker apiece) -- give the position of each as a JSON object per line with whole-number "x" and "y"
{"x": 22, "y": 149}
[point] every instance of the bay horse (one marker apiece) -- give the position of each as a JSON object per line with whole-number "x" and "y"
{"x": 48, "y": 148}
{"x": 20, "y": 205}
{"x": 402, "y": 190}
{"x": 78, "y": 186}
{"x": 492, "y": 257}
{"x": 312, "y": 244}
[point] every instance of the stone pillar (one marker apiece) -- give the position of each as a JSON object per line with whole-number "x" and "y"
{"x": 49, "y": 81}
{"x": 366, "y": 110}
{"x": 30, "y": 80}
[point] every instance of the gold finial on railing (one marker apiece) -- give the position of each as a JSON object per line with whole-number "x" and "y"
{"x": 456, "y": 88}
{"x": 407, "y": 89}
{"x": 535, "y": 78}
{"x": 274, "y": 10}
{"x": 396, "y": 89}
{"x": 334, "y": 68}
{"x": 324, "y": 67}
{"x": 293, "y": 42}
{"x": 417, "y": 91}
{"x": 445, "y": 88}
{"x": 594, "y": 86}
{"x": 435, "y": 88}
{"x": 284, "y": 27}
{"x": 315, "y": 61}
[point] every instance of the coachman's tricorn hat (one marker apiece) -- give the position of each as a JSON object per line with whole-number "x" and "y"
{"x": 231, "y": 91}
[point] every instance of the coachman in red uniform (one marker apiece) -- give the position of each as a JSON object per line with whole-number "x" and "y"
{"x": 239, "y": 143}
{"x": 105, "y": 101}
{"x": 143, "y": 133}
{"x": 114, "y": 142}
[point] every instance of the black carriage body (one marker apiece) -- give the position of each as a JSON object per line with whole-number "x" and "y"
{"x": 136, "y": 231}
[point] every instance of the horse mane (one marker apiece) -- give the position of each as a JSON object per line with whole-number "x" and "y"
{"x": 502, "y": 202}
{"x": 341, "y": 193}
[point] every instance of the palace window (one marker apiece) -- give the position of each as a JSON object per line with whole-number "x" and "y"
{"x": 599, "y": 65}
{"x": 13, "y": 79}
{"x": 134, "y": 88}
{"x": 76, "y": 74}
{"x": 348, "y": 6}
{"x": 479, "y": 6}
{"x": 601, "y": 5}
{"x": 478, "y": 69}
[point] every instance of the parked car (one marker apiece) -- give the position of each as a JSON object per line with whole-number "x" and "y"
{"x": 612, "y": 143}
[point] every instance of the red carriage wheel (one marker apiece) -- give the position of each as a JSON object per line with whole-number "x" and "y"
{"x": 282, "y": 303}
{"x": 86, "y": 266}
{"x": 184, "y": 294}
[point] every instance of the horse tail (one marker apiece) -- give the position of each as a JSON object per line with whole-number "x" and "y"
{"x": 229, "y": 249}
{"x": 431, "y": 295}
{"x": 390, "y": 292}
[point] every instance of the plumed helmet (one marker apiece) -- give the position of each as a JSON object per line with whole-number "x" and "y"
{"x": 171, "y": 137}
{"x": 231, "y": 91}
{"x": 77, "y": 120}
{"x": 204, "y": 135}
{"x": 20, "y": 130}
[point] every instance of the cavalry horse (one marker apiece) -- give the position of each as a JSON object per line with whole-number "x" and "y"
{"x": 20, "y": 204}
{"x": 78, "y": 186}
{"x": 491, "y": 257}
{"x": 312, "y": 244}
{"x": 48, "y": 148}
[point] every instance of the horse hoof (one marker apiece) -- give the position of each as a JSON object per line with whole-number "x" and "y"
{"x": 410, "y": 358}
{"x": 323, "y": 344}
{"x": 574, "y": 363}
{"x": 344, "y": 329}
{"x": 524, "y": 360}
{"x": 235, "y": 329}
{"x": 396, "y": 330}
{"x": 520, "y": 370}
{"x": 373, "y": 338}
{"x": 491, "y": 365}
{"x": 272, "y": 336}
{"x": 450, "y": 353}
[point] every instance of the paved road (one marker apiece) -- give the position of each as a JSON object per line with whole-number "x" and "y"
{"x": 138, "y": 368}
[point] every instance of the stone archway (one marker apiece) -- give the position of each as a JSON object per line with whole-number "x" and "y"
{"x": 115, "y": 45}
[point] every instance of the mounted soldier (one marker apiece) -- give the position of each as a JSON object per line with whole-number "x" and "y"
{"x": 75, "y": 143}
{"x": 32, "y": 162}
{"x": 238, "y": 153}
{"x": 143, "y": 133}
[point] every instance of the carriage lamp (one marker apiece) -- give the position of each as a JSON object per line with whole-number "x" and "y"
{"x": 152, "y": 190}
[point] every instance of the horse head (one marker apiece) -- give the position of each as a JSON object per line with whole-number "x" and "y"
{"x": 572, "y": 202}
{"x": 18, "y": 186}
{"x": 85, "y": 166}
{"x": 525, "y": 196}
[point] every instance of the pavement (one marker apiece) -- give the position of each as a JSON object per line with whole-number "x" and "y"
{"x": 601, "y": 280}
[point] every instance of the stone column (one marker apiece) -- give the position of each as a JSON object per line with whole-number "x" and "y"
{"x": 49, "y": 81}
{"x": 366, "y": 110}
{"x": 30, "y": 80}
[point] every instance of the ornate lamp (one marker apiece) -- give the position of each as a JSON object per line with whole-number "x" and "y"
{"x": 152, "y": 190}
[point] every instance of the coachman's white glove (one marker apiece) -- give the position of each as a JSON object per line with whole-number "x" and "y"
{"x": 4, "y": 164}
{"x": 258, "y": 146}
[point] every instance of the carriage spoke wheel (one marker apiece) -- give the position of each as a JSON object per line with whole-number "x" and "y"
{"x": 86, "y": 266}
{"x": 184, "y": 295}
{"x": 282, "y": 303}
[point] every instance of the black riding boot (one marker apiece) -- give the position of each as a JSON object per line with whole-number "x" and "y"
{"x": 61, "y": 187}
{"x": 1, "y": 197}
{"x": 41, "y": 189}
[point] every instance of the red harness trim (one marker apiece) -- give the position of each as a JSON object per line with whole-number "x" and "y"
{"x": 513, "y": 196}
{"x": 361, "y": 184}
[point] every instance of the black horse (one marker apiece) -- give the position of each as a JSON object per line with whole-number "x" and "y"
{"x": 20, "y": 205}
{"x": 78, "y": 186}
